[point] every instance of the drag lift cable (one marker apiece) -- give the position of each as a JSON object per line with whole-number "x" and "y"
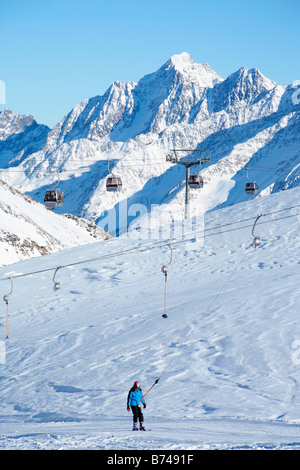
{"x": 164, "y": 270}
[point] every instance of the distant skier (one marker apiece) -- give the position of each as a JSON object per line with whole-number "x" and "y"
{"x": 134, "y": 400}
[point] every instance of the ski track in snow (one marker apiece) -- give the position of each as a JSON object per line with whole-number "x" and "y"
{"x": 224, "y": 354}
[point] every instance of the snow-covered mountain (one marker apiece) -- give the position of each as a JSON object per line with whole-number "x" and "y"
{"x": 20, "y": 136}
{"x": 245, "y": 120}
{"x": 28, "y": 229}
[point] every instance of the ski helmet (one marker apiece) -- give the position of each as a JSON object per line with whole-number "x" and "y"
{"x": 136, "y": 384}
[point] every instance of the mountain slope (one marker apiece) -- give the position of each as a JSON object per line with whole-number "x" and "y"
{"x": 245, "y": 120}
{"x": 20, "y": 136}
{"x": 28, "y": 229}
{"x": 227, "y": 356}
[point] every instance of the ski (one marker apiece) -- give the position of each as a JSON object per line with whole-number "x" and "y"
{"x": 141, "y": 429}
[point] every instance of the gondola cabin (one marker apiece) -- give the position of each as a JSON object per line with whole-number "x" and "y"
{"x": 53, "y": 198}
{"x": 113, "y": 183}
{"x": 251, "y": 187}
{"x": 195, "y": 181}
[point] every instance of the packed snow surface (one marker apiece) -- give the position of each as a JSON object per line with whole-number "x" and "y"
{"x": 227, "y": 357}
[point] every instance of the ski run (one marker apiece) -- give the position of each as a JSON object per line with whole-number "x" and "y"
{"x": 227, "y": 356}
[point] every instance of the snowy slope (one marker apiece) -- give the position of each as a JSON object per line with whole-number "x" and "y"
{"x": 227, "y": 356}
{"x": 244, "y": 120}
{"x": 28, "y": 228}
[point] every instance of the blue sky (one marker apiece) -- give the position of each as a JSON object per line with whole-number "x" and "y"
{"x": 54, "y": 54}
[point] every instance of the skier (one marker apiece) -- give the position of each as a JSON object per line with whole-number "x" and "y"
{"x": 135, "y": 397}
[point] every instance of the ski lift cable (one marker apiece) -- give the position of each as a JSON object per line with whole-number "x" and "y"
{"x": 144, "y": 248}
{"x": 209, "y": 306}
{"x": 57, "y": 284}
{"x": 211, "y": 303}
{"x": 162, "y": 243}
{"x": 148, "y": 246}
{"x": 153, "y": 161}
{"x": 136, "y": 163}
{"x": 164, "y": 270}
{"x": 159, "y": 244}
{"x": 248, "y": 219}
{"x": 168, "y": 366}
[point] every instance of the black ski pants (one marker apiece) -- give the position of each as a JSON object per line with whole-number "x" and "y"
{"x": 137, "y": 414}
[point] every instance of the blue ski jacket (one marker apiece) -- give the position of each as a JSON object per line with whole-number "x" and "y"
{"x": 135, "y": 396}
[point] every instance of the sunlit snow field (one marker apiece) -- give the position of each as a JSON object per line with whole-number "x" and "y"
{"x": 227, "y": 357}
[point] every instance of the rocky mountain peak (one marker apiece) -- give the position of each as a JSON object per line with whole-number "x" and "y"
{"x": 239, "y": 121}
{"x": 13, "y": 123}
